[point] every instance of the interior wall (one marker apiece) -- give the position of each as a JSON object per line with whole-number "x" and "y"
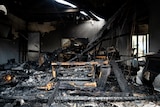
{"x": 119, "y": 38}
{"x": 87, "y": 29}
{"x": 17, "y": 24}
{"x": 121, "y": 43}
{"x": 33, "y": 46}
{"x": 51, "y": 41}
{"x": 8, "y": 50}
{"x": 154, "y": 25}
{"x": 41, "y": 27}
{"x": 9, "y": 45}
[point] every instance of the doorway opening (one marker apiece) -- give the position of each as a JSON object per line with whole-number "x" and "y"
{"x": 140, "y": 45}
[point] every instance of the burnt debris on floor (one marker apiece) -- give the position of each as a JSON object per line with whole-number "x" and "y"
{"x": 80, "y": 76}
{"x": 98, "y": 83}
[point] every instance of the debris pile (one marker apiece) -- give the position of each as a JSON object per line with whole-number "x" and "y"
{"x": 74, "y": 84}
{"x": 105, "y": 81}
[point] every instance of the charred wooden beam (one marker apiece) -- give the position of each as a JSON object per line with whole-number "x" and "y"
{"x": 52, "y": 96}
{"x": 74, "y": 78}
{"x": 120, "y": 77}
{"x": 98, "y": 94}
{"x": 81, "y": 98}
{"x": 102, "y": 57}
{"x": 9, "y": 97}
{"x": 105, "y": 99}
{"x": 104, "y": 73}
{"x": 74, "y": 63}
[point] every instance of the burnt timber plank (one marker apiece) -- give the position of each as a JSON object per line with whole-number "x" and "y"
{"x": 105, "y": 72}
{"x": 52, "y": 96}
{"x": 120, "y": 77}
{"x": 74, "y": 63}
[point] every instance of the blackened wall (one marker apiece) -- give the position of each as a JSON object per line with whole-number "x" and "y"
{"x": 8, "y": 50}
{"x": 33, "y": 46}
{"x": 119, "y": 38}
{"x": 9, "y": 47}
{"x": 51, "y": 41}
{"x": 154, "y": 25}
{"x": 87, "y": 29}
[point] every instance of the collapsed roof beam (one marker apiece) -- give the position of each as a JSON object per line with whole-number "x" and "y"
{"x": 120, "y": 78}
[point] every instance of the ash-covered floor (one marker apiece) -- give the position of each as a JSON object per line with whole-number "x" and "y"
{"x": 73, "y": 86}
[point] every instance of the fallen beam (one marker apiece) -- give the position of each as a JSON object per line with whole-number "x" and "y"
{"x": 28, "y": 98}
{"x": 74, "y": 63}
{"x": 98, "y": 94}
{"x": 120, "y": 77}
{"x": 104, "y": 73}
{"x": 81, "y": 98}
{"x": 74, "y": 78}
{"x": 105, "y": 99}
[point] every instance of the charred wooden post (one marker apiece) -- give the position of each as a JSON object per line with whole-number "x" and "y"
{"x": 104, "y": 73}
{"x": 120, "y": 77}
{"x": 52, "y": 96}
{"x": 54, "y": 74}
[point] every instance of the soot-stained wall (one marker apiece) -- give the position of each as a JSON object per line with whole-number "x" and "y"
{"x": 154, "y": 25}
{"x": 9, "y": 47}
{"x": 8, "y": 50}
{"x": 50, "y": 41}
{"x": 87, "y": 29}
